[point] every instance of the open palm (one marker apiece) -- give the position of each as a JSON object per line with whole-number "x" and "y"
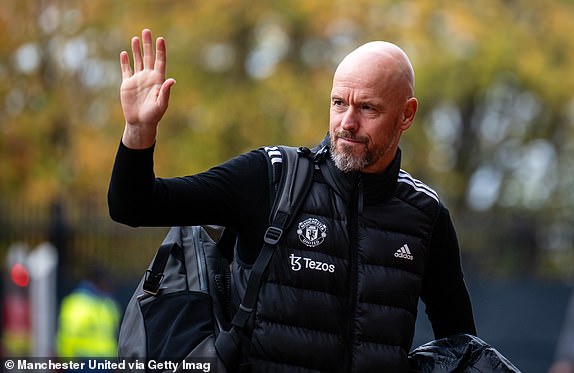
{"x": 144, "y": 92}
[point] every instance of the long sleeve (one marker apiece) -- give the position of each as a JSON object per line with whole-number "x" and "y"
{"x": 131, "y": 185}
{"x": 444, "y": 291}
{"x": 234, "y": 194}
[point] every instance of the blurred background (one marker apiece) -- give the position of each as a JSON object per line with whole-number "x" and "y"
{"x": 494, "y": 135}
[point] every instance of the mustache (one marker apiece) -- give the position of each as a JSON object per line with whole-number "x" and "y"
{"x": 348, "y": 135}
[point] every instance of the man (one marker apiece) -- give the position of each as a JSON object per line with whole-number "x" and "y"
{"x": 89, "y": 319}
{"x": 342, "y": 290}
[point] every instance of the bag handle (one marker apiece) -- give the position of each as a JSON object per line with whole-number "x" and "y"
{"x": 154, "y": 275}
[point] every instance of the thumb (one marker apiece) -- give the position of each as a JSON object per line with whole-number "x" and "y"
{"x": 164, "y": 92}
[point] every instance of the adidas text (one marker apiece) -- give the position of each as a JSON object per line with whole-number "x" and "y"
{"x": 404, "y": 252}
{"x": 298, "y": 263}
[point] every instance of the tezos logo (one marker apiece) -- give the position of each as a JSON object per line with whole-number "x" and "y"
{"x": 312, "y": 232}
{"x": 308, "y": 263}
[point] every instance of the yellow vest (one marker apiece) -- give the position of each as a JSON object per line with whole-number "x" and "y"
{"x": 88, "y": 326}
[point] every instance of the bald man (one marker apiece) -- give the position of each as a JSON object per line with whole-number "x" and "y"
{"x": 344, "y": 300}
{"x": 372, "y": 104}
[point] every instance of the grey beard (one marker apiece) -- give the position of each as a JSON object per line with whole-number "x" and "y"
{"x": 346, "y": 162}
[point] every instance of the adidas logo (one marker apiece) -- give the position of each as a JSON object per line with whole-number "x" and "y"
{"x": 404, "y": 253}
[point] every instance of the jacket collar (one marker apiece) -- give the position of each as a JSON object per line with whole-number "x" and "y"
{"x": 376, "y": 186}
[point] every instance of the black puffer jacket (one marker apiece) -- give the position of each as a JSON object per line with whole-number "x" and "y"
{"x": 343, "y": 287}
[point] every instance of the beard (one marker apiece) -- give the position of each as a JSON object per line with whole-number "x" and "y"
{"x": 344, "y": 156}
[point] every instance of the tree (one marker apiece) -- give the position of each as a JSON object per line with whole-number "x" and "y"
{"x": 493, "y": 133}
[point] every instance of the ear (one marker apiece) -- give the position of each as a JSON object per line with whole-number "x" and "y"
{"x": 409, "y": 111}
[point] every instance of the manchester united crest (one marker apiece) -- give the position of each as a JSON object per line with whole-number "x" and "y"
{"x": 312, "y": 232}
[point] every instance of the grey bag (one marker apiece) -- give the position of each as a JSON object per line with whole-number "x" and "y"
{"x": 182, "y": 303}
{"x": 176, "y": 311}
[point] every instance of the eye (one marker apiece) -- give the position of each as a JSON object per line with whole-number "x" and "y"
{"x": 338, "y": 105}
{"x": 336, "y": 102}
{"x": 369, "y": 109}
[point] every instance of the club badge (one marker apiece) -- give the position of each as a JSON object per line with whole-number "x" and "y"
{"x": 311, "y": 232}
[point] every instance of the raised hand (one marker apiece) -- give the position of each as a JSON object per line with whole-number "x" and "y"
{"x": 144, "y": 92}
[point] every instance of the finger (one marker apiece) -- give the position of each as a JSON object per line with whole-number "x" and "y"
{"x": 148, "y": 55}
{"x": 125, "y": 65}
{"x": 160, "y": 56}
{"x": 164, "y": 91}
{"x": 137, "y": 54}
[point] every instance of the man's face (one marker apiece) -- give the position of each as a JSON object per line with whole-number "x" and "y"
{"x": 365, "y": 122}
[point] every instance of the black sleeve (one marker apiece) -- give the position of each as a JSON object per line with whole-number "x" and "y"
{"x": 444, "y": 291}
{"x": 234, "y": 194}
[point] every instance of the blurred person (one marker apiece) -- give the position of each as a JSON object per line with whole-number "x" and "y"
{"x": 60, "y": 235}
{"x": 342, "y": 291}
{"x": 89, "y": 319}
{"x": 564, "y": 359}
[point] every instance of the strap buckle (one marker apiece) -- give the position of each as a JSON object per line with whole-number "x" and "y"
{"x": 152, "y": 282}
{"x": 272, "y": 235}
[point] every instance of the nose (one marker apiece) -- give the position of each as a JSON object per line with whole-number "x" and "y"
{"x": 350, "y": 120}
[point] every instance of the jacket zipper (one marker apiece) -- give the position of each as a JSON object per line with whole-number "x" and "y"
{"x": 356, "y": 210}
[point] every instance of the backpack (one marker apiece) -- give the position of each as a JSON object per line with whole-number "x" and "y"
{"x": 180, "y": 310}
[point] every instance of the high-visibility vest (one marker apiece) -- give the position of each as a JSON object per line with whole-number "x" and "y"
{"x": 88, "y": 326}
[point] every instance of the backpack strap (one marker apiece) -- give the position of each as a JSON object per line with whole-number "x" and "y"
{"x": 295, "y": 182}
{"x": 296, "y": 178}
{"x": 275, "y": 155}
{"x": 154, "y": 275}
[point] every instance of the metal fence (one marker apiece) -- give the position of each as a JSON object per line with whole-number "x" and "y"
{"x": 82, "y": 232}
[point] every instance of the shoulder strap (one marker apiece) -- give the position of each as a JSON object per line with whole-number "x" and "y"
{"x": 297, "y": 175}
{"x": 296, "y": 170}
{"x": 154, "y": 275}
